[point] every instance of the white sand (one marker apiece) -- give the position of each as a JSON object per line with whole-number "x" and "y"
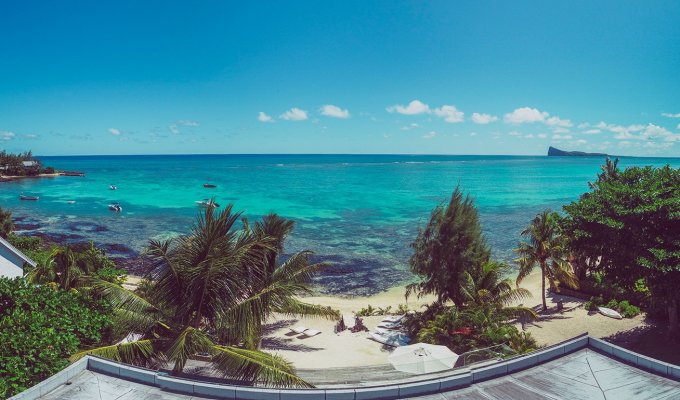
{"x": 347, "y": 349}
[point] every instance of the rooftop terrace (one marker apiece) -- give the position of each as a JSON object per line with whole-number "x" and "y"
{"x": 584, "y": 368}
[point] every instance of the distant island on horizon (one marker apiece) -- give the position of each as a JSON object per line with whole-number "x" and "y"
{"x": 552, "y": 151}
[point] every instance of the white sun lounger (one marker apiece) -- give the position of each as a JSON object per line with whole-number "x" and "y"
{"x": 298, "y": 329}
{"x": 390, "y": 325}
{"x": 310, "y": 332}
{"x": 394, "y": 318}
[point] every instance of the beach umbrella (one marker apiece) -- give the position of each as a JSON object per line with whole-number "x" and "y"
{"x": 422, "y": 358}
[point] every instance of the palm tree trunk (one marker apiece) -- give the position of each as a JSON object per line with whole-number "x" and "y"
{"x": 545, "y": 307}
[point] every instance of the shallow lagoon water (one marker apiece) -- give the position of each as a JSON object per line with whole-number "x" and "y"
{"x": 359, "y": 212}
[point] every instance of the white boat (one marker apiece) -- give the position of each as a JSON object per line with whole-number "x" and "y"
{"x": 608, "y": 312}
{"x": 205, "y": 203}
{"x": 396, "y": 339}
{"x": 24, "y": 197}
{"x": 115, "y": 207}
{"x": 113, "y": 187}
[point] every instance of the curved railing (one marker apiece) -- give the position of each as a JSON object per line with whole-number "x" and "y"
{"x": 418, "y": 385}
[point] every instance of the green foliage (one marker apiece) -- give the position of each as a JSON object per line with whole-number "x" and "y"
{"x": 451, "y": 244}
{"x": 629, "y": 223}
{"x": 49, "y": 170}
{"x": 211, "y": 292}
{"x": 40, "y": 328}
{"x": 545, "y": 247}
{"x": 12, "y": 164}
{"x": 628, "y": 310}
{"x": 366, "y": 312}
{"x": 6, "y": 224}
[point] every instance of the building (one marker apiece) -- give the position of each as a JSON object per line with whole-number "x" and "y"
{"x": 581, "y": 368}
{"x": 12, "y": 260}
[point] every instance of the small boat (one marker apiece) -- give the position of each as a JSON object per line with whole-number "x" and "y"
{"x": 113, "y": 187}
{"x": 24, "y": 197}
{"x": 115, "y": 207}
{"x": 71, "y": 202}
{"x": 207, "y": 203}
{"x": 608, "y": 312}
{"x": 209, "y": 185}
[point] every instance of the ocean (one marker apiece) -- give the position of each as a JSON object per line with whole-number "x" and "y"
{"x": 359, "y": 212}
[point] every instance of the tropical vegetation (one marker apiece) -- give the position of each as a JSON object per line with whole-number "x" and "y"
{"x": 40, "y": 327}
{"x": 12, "y": 164}
{"x": 209, "y": 293}
{"x": 475, "y": 304}
{"x": 626, "y": 229}
{"x": 545, "y": 247}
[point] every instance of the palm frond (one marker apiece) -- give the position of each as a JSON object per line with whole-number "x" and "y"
{"x": 140, "y": 351}
{"x": 268, "y": 369}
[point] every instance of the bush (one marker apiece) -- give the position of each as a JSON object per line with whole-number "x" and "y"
{"x": 40, "y": 328}
{"x": 49, "y": 170}
{"x": 628, "y": 310}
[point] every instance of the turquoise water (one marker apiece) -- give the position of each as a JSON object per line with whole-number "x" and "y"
{"x": 359, "y": 211}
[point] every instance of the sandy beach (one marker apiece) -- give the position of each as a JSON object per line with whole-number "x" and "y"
{"x": 346, "y": 349}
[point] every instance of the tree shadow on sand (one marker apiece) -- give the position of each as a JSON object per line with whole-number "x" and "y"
{"x": 274, "y": 343}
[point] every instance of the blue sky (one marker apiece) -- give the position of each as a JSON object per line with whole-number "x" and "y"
{"x": 439, "y": 77}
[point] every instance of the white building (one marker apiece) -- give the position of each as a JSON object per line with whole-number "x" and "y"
{"x": 12, "y": 260}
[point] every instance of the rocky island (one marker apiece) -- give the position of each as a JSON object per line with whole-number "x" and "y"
{"x": 557, "y": 152}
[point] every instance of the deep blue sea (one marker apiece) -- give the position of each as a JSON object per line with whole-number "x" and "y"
{"x": 360, "y": 212}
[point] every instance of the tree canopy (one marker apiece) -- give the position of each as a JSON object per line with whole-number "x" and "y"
{"x": 629, "y": 223}
{"x": 451, "y": 244}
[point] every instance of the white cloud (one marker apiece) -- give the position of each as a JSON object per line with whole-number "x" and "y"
{"x": 31, "y": 136}
{"x": 413, "y": 108}
{"x": 114, "y": 131}
{"x": 542, "y": 135}
{"x": 669, "y": 115}
{"x": 473, "y": 133}
{"x": 449, "y": 113}
{"x": 330, "y": 110}
{"x": 294, "y": 114}
{"x": 478, "y": 118}
{"x": 678, "y": 127}
{"x": 173, "y": 128}
{"x": 559, "y": 129}
{"x": 593, "y": 131}
{"x": 6, "y": 135}
{"x": 187, "y": 122}
{"x": 514, "y": 133}
{"x": 557, "y": 121}
{"x": 529, "y": 136}
{"x": 525, "y": 115}
{"x": 583, "y": 125}
{"x": 409, "y": 127}
{"x": 562, "y": 137}
{"x": 581, "y": 141}
{"x": 430, "y": 135}
{"x": 262, "y": 117}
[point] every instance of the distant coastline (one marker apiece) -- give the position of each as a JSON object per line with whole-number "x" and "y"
{"x": 552, "y": 151}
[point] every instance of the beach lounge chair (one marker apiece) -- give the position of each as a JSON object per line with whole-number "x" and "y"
{"x": 310, "y": 332}
{"x": 298, "y": 329}
{"x": 390, "y": 325}
{"x": 394, "y": 318}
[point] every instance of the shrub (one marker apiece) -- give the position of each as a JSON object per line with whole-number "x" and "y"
{"x": 49, "y": 170}
{"x": 366, "y": 312}
{"x": 612, "y": 304}
{"x": 628, "y": 310}
{"x": 40, "y": 328}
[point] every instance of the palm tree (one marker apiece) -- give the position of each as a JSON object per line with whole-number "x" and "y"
{"x": 489, "y": 288}
{"x": 203, "y": 300}
{"x": 545, "y": 247}
{"x": 275, "y": 287}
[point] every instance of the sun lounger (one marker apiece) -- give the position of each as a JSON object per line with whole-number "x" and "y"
{"x": 394, "y": 318}
{"x": 298, "y": 329}
{"x": 310, "y": 332}
{"x": 390, "y": 325}
{"x": 394, "y": 340}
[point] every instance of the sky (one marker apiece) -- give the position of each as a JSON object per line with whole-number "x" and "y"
{"x": 404, "y": 77}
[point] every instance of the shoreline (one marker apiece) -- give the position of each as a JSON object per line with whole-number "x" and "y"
{"x": 6, "y": 178}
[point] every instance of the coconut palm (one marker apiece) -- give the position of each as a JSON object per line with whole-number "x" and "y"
{"x": 203, "y": 300}
{"x": 275, "y": 287}
{"x": 545, "y": 248}
{"x": 488, "y": 286}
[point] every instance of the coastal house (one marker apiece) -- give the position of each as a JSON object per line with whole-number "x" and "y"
{"x": 12, "y": 260}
